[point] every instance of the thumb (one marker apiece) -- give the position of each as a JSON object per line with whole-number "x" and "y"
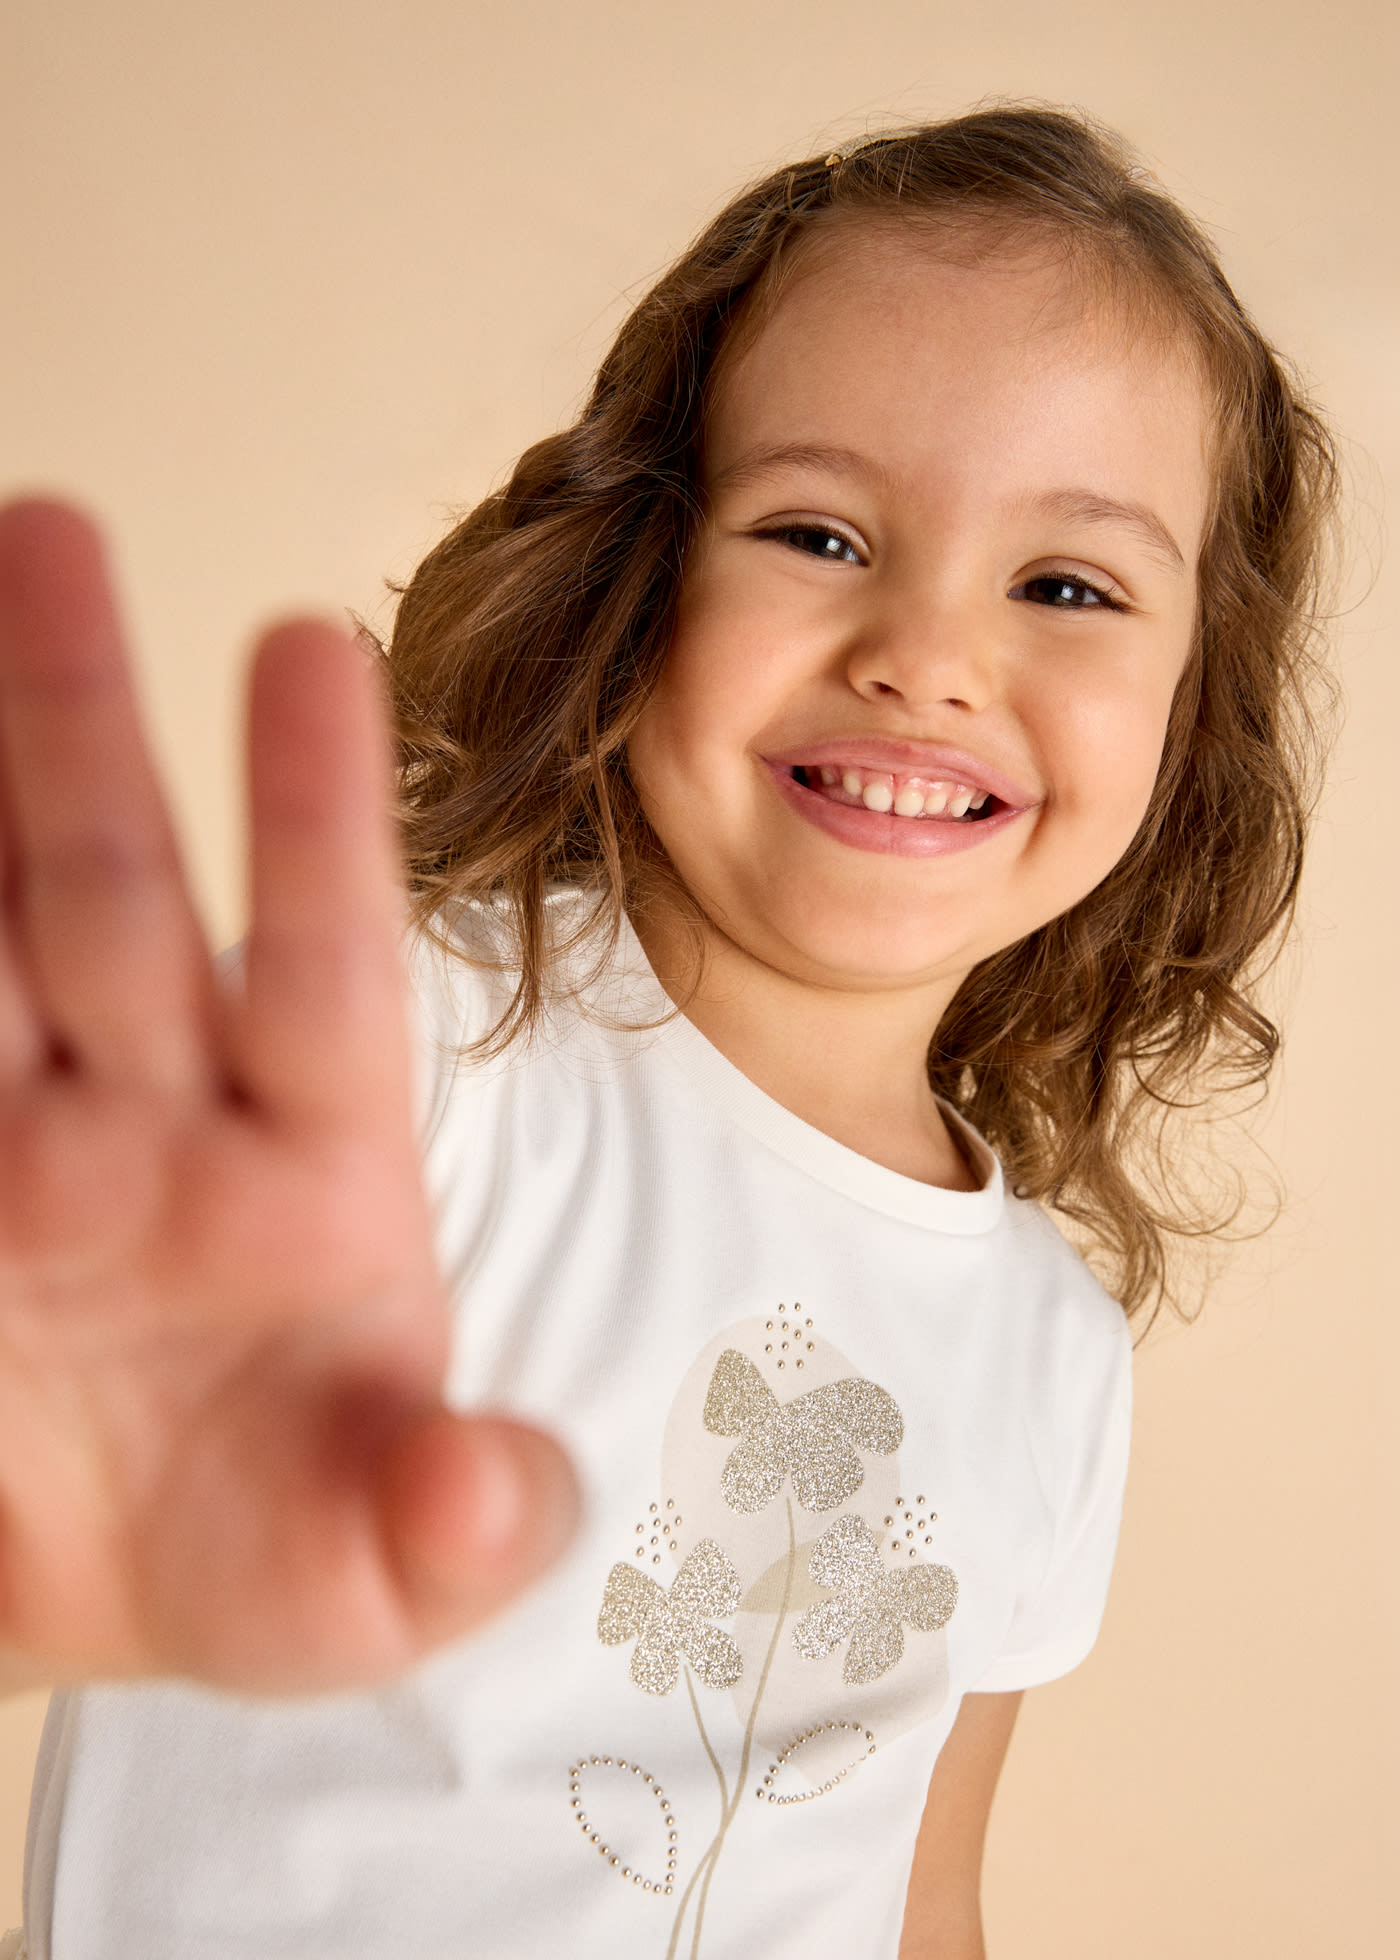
{"x": 474, "y": 1509}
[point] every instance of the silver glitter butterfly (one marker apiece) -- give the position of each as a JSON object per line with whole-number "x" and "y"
{"x": 667, "y": 1625}
{"x": 812, "y": 1439}
{"x": 871, "y": 1603}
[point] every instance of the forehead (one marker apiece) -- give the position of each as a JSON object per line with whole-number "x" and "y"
{"x": 959, "y": 361}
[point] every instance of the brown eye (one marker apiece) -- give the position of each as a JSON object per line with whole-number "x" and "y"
{"x": 1066, "y": 594}
{"x": 816, "y": 541}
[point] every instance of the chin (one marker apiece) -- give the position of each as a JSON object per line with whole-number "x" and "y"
{"x": 878, "y": 954}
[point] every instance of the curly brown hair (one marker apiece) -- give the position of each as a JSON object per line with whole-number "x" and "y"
{"x": 526, "y": 643}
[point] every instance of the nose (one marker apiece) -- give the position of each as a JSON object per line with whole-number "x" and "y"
{"x": 925, "y": 657}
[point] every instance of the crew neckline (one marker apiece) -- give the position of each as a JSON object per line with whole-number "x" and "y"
{"x": 725, "y": 1086}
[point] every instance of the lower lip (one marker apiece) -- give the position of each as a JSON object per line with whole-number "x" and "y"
{"x": 884, "y": 833}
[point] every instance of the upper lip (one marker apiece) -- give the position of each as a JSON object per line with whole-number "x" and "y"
{"x": 929, "y": 761}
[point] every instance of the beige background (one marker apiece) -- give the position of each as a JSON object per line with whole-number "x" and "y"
{"x": 290, "y": 278}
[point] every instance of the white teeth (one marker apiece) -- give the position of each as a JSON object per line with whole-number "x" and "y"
{"x": 877, "y": 791}
{"x": 878, "y": 795}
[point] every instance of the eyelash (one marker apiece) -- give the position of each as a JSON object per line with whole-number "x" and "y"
{"x": 785, "y": 533}
{"x": 1103, "y": 599}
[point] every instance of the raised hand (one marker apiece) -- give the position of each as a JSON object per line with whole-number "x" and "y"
{"x": 222, "y": 1450}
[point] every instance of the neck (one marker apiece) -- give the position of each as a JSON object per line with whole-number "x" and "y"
{"x": 851, "y": 1063}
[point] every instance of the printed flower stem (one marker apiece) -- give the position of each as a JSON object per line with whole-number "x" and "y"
{"x": 709, "y": 1749}
{"x": 708, "y": 1858}
{"x": 730, "y": 1805}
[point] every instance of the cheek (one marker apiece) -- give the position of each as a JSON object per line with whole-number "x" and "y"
{"x": 706, "y": 707}
{"x": 677, "y": 750}
{"x": 745, "y": 638}
{"x": 662, "y": 749}
{"x": 1110, "y": 750}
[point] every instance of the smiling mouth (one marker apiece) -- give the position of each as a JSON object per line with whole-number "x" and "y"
{"x": 897, "y": 793}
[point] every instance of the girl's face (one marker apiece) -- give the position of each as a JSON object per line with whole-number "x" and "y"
{"x": 927, "y": 643}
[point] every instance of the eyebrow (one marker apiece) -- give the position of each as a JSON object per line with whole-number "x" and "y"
{"x": 1069, "y": 506}
{"x": 772, "y": 458}
{"x": 1090, "y": 507}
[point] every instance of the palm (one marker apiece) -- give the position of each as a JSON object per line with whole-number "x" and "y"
{"x": 221, "y": 1331}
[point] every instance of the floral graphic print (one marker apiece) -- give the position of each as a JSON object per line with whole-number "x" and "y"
{"x": 666, "y": 1626}
{"x": 795, "y": 1597}
{"x": 870, "y": 1605}
{"x": 813, "y": 1440}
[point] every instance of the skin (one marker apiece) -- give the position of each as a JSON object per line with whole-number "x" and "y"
{"x": 954, "y": 398}
{"x": 943, "y": 1910}
{"x": 915, "y": 561}
{"x": 220, "y": 1321}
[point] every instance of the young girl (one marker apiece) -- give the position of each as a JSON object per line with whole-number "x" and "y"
{"x": 871, "y": 738}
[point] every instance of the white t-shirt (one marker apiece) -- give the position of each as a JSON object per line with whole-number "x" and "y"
{"x": 850, "y": 1445}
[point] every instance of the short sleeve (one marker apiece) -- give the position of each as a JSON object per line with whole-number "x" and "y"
{"x": 1057, "y": 1620}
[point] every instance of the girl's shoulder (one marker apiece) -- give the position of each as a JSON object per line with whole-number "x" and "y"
{"x": 1062, "y": 1306}
{"x": 465, "y": 963}
{"x": 464, "y": 970}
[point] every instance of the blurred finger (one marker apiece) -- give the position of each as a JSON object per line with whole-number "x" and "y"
{"x": 106, "y": 933}
{"x": 327, "y": 1034}
{"x": 20, "y": 1043}
{"x": 476, "y": 1508}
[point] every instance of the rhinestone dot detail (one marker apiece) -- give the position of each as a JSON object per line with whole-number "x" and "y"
{"x": 766, "y": 1790}
{"x": 663, "y": 1887}
{"x": 657, "y": 1534}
